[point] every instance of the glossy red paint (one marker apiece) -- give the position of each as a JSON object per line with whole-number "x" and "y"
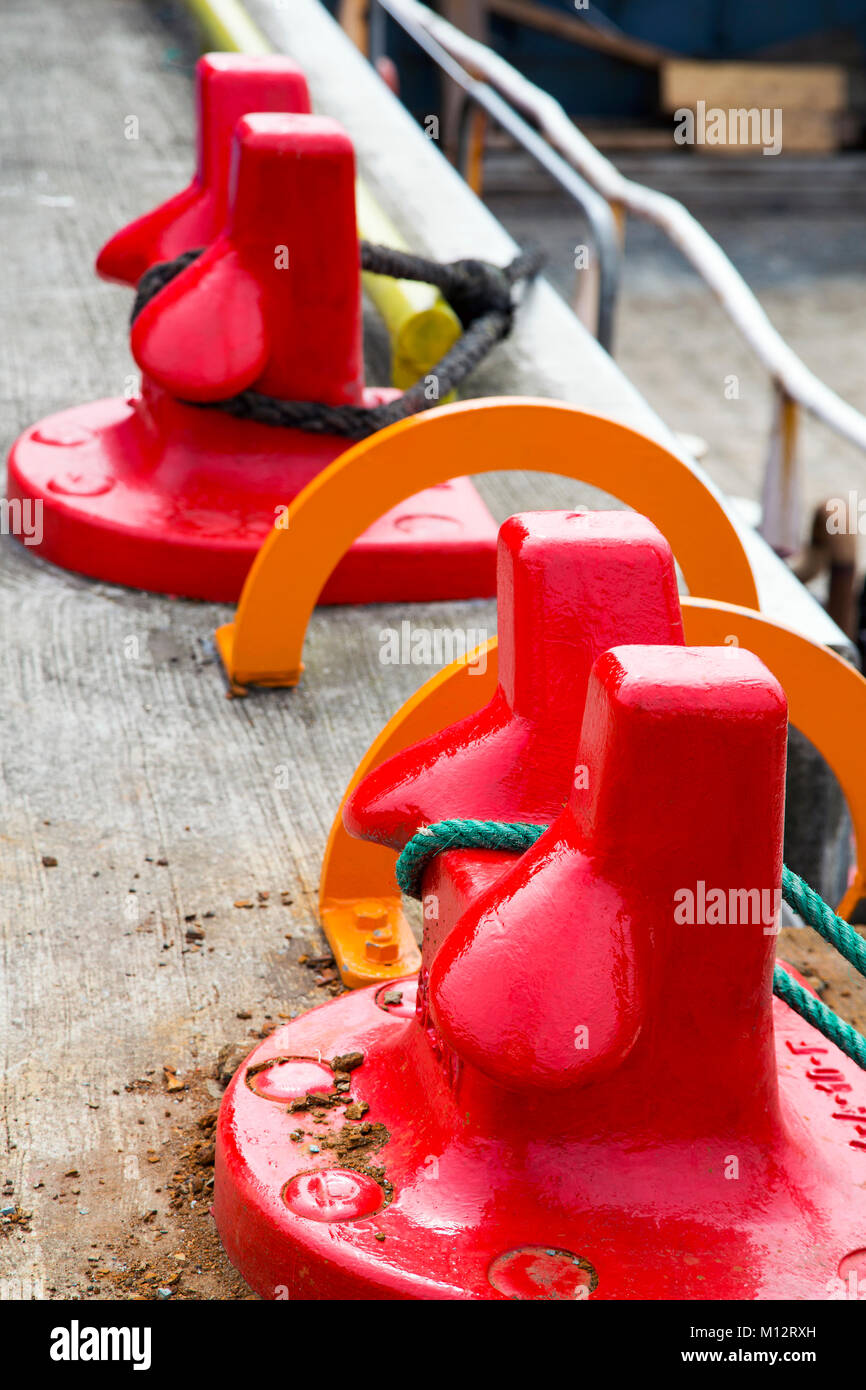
{"x": 227, "y": 87}
{"x": 290, "y": 1077}
{"x": 272, "y": 304}
{"x": 595, "y": 1098}
{"x": 569, "y": 585}
{"x": 157, "y": 493}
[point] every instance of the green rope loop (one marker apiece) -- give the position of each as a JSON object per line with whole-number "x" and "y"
{"x": 511, "y": 837}
{"x": 516, "y": 838}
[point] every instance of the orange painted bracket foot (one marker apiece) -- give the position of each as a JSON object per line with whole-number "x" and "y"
{"x": 371, "y": 940}
{"x": 352, "y": 866}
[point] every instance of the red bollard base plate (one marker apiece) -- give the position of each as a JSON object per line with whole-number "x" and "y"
{"x": 419, "y": 1196}
{"x": 158, "y": 495}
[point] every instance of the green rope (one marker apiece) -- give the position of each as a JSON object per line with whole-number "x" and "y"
{"x": 813, "y": 909}
{"x": 516, "y": 838}
{"x": 814, "y": 1011}
{"x": 513, "y": 838}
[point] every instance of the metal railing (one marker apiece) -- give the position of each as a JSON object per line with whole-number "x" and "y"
{"x": 794, "y": 384}
{"x": 598, "y": 211}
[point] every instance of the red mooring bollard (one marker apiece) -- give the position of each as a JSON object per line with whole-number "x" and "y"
{"x": 589, "y": 1091}
{"x": 161, "y": 494}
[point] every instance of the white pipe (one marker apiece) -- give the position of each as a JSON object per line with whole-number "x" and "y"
{"x": 790, "y": 375}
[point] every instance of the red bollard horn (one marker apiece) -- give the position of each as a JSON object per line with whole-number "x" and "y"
{"x": 228, "y": 86}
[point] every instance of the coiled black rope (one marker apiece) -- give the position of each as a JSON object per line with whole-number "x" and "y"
{"x": 482, "y": 295}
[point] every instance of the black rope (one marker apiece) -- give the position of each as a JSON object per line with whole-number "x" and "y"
{"x": 482, "y": 296}
{"x": 157, "y": 277}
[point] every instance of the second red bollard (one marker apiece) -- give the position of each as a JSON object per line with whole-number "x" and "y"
{"x": 165, "y": 491}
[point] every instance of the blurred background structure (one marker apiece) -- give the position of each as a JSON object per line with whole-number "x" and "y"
{"x": 790, "y": 221}
{"x": 617, "y": 66}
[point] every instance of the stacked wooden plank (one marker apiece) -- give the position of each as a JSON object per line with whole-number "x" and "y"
{"x": 741, "y": 108}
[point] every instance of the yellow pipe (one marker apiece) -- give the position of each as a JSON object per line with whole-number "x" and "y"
{"x": 421, "y": 326}
{"x": 229, "y": 27}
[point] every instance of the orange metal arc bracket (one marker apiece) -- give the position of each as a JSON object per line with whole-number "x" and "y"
{"x": 264, "y": 644}
{"x": 826, "y": 702}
